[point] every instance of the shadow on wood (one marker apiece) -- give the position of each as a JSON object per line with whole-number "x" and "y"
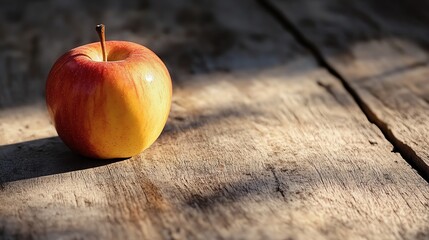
{"x": 41, "y": 157}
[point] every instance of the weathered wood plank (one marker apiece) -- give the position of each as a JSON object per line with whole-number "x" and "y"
{"x": 260, "y": 144}
{"x": 380, "y": 48}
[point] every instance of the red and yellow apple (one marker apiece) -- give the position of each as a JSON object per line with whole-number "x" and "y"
{"x": 109, "y": 100}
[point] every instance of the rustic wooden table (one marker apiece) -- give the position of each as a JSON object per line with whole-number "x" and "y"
{"x": 290, "y": 120}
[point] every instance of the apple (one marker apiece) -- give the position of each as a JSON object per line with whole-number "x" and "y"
{"x": 109, "y": 99}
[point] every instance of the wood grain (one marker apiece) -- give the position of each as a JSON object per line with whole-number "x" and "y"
{"x": 380, "y": 48}
{"x": 261, "y": 143}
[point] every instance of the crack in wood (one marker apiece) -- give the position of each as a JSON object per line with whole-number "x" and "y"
{"x": 407, "y": 153}
{"x": 328, "y": 88}
{"x": 277, "y": 181}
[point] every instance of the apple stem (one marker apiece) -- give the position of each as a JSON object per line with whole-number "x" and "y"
{"x": 101, "y": 34}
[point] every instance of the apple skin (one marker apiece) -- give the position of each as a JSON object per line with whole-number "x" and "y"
{"x": 111, "y": 109}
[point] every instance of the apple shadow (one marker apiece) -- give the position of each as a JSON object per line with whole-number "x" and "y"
{"x": 42, "y": 157}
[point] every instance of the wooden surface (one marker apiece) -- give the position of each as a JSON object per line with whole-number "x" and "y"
{"x": 261, "y": 143}
{"x": 383, "y": 58}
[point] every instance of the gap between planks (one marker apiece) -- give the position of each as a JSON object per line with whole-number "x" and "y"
{"x": 406, "y": 152}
